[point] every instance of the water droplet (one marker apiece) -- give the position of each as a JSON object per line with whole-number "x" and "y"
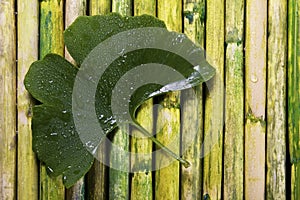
{"x": 50, "y": 169}
{"x": 64, "y": 111}
{"x": 254, "y": 79}
{"x": 53, "y": 134}
{"x": 50, "y": 81}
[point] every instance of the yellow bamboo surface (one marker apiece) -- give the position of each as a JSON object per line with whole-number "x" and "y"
{"x": 98, "y": 7}
{"x": 192, "y": 108}
{"x": 168, "y": 114}
{"x": 7, "y": 100}
{"x": 276, "y": 102}
{"x": 51, "y": 41}
{"x": 28, "y": 23}
{"x": 214, "y": 107}
{"x": 255, "y": 99}
{"x": 234, "y": 107}
{"x": 141, "y": 182}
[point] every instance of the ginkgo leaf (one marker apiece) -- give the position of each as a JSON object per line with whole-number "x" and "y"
{"x": 64, "y": 90}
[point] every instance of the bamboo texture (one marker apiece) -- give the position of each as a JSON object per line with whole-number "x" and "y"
{"x": 276, "y": 102}
{"x": 96, "y": 187}
{"x": 28, "y": 21}
{"x": 51, "y": 41}
{"x": 234, "y": 107}
{"x": 141, "y": 182}
{"x": 73, "y": 9}
{"x": 168, "y": 114}
{"x": 118, "y": 180}
{"x": 7, "y": 100}
{"x": 192, "y": 108}
{"x": 294, "y": 95}
{"x": 213, "y": 123}
{"x": 255, "y": 98}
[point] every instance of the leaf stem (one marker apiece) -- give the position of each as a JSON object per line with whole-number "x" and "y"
{"x": 184, "y": 162}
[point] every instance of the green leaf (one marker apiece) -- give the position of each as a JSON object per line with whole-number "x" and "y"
{"x": 52, "y": 81}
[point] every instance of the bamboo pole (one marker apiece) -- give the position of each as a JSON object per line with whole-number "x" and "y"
{"x": 7, "y": 100}
{"x": 141, "y": 183}
{"x": 28, "y": 16}
{"x": 168, "y": 116}
{"x": 214, "y": 107}
{"x": 99, "y": 7}
{"x": 96, "y": 181}
{"x": 234, "y": 108}
{"x": 192, "y": 109}
{"x": 276, "y": 104}
{"x": 73, "y": 9}
{"x": 255, "y": 100}
{"x": 294, "y": 95}
{"x": 119, "y": 180}
{"x": 51, "y": 40}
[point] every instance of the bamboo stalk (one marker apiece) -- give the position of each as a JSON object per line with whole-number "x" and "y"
{"x": 27, "y": 53}
{"x": 276, "y": 95}
{"x": 96, "y": 181}
{"x": 99, "y": 7}
{"x": 192, "y": 109}
{"x": 7, "y": 100}
{"x": 168, "y": 116}
{"x": 294, "y": 95}
{"x": 73, "y": 9}
{"x": 141, "y": 183}
{"x": 119, "y": 180}
{"x": 234, "y": 108}
{"x": 51, "y": 40}
{"x": 213, "y": 123}
{"x": 255, "y": 100}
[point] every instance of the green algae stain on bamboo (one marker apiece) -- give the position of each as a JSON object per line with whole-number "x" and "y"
{"x": 276, "y": 95}
{"x": 192, "y": 109}
{"x": 214, "y": 107}
{"x": 294, "y": 94}
{"x": 51, "y": 40}
{"x": 234, "y": 116}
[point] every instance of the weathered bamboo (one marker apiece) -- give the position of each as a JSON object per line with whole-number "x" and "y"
{"x": 51, "y": 40}
{"x": 214, "y": 107}
{"x": 119, "y": 180}
{"x": 28, "y": 16}
{"x": 276, "y": 103}
{"x": 234, "y": 108}
{"x": 255, "y": 99}
{"x": 294, "y": 95}
{"x": 99, "y": 7}
{"x": 96, "y": 181}
{"x": 73, "y": 9}
{"x": 7, "y": 100}
{"x": 192, "y": 108}
{"x": 141, "y": 183}
{"x": 168, "y": 116}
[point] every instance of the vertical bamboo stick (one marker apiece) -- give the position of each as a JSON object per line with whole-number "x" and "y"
{"x": 141, "y": 183}
{"x": 28, "y": 12}
{"x": 168, "y": 116}
{"x": 294, "y": 94}
{"x": 118, "y": 180}
{"x": 213, "y": 122}
{"x": 73, "y": 9}
{"x": 96, "y": 178}
{"x": 276, "y": 95}
{"x": 255, "y": 127}
{"x": 51, "y": 40}
{"x": 7, "y": 100}
{"x": 99, "y": 7}
{"x": 234, "y": 108}
{"x": 192, "y": 109}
